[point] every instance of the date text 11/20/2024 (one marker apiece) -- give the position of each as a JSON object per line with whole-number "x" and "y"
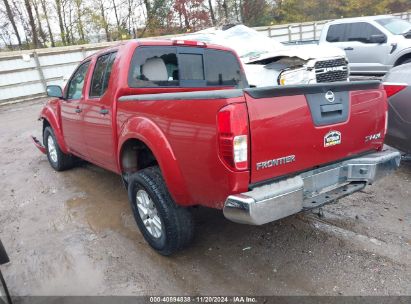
{"x": 204, "y": 299}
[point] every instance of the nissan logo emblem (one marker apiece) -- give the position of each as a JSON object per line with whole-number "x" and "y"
{"x": 330, "y": 96}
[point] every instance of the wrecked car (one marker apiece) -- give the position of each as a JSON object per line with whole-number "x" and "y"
{"x": 268, "y": 62}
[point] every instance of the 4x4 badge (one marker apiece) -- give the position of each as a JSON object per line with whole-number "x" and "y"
{"x": 332, "y": 138}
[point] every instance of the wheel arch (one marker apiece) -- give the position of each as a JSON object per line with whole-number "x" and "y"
{"x": 403, "y": 58}
{"x": 49, "y": 117}
{"x": 142, "y": 144}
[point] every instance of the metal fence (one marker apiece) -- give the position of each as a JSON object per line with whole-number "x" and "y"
{"x": 25, "y": 74}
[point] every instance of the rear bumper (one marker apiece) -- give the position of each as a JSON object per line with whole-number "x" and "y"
{"x": 310, "y": 189}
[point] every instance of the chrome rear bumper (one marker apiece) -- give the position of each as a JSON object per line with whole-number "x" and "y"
{"x": 310, "y": 189}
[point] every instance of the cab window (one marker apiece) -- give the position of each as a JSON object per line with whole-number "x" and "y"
{"x": 184, "y": 67}
{"x": 76, "y": 84}
{"x": 101, "y": 75}
{"x": 336, "y": 33}
{"x": 154, "y": 67}
{"x": 361, "y": 31}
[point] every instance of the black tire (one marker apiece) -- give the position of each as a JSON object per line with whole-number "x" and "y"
{"x": 176, "y": 222}
{"x": 62, "y": 161}
{"x": 405, "y": 61}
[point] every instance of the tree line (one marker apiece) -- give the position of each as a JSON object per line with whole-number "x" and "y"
{"x": 28, "y": 24}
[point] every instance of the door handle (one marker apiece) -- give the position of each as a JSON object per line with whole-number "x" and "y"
{"x": 78, "y": 110}
{"x": 349, "y": 49}
{"x": 104, "y": 111}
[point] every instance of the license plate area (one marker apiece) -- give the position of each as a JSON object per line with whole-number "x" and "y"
{"x": 332, "y": 195}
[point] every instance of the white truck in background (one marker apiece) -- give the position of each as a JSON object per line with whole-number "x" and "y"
{"x": 373, "y": 45}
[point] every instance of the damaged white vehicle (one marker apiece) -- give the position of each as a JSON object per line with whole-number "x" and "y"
{"x": 268, "y": 62}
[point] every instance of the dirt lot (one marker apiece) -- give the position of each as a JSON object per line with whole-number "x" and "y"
{"x": 73, "y": 233}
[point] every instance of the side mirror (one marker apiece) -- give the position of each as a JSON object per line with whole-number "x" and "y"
{"x": 380, "y": 38}
{"x": 54, "y": 91}
{"x": 3, "y": 255}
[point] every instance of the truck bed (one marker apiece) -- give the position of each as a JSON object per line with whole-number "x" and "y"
{"x": 291, "y": 129}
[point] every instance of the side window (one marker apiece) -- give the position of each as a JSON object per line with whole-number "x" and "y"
{"x": 223, "y": 69}
{"x": 361, "y": 32}
{"x": 154, "y": 67}
{"x": 336, "y": 33}
{"x": 108, "y": 72}
{"x": 101, "y": 74}
{"x": 75, "y": 87}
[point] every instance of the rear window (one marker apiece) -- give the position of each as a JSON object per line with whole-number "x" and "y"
{"x": 153, "y": 67}
{"x": 184, "y": 67}
{"x": 222, "y": 69}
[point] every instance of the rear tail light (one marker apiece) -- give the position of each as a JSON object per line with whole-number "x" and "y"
{"x": 393, "y": 88}
{"x": 232, "y": 123}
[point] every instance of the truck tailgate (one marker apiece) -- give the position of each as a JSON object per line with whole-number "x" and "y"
{"x": 296, "y": 128}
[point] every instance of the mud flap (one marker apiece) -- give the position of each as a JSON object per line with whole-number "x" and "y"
{"x": 39, "y": 145}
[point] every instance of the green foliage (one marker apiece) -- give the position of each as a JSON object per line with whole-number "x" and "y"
{"x": 79, "y": 20}
{"x": 286, "y": 11}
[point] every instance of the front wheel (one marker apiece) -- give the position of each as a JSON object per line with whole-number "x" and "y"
{"x": 57, "y": 158}
{"x": 408, "y": 60}
{"x": 165, "y": 226}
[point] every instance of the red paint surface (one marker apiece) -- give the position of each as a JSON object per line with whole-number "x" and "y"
{"x": 283, "y": 126}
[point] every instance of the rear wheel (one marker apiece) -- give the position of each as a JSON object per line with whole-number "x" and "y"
{"x": 165, "y": 226}
{"x": 57, "y": 159}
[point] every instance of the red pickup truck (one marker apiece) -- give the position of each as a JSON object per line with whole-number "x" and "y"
{"x": 178, "y": 122}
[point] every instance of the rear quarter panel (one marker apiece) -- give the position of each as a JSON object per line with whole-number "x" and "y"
{"x": 183, "y": 138}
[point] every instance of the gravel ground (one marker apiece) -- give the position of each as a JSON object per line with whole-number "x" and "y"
{"x": 72, "y": 233}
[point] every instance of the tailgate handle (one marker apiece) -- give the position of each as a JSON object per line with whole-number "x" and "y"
{"x": 331, "y": 110}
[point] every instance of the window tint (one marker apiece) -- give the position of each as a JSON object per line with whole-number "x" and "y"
{"x": 101, "y": 74}
{"x": 361, "y": 32}
{"x": 75, "y": 88}
{"x": 98, "y": 74}
{"x": 336, "y": 33}
{"x": 108, "y": 72}
{"x": 223, "y": 69}
{"x": 183, "y": 66}
{"x": 191, "y": 67}
{"x": 154, "y": 66}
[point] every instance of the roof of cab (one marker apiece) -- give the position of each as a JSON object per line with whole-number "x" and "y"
{"x": 359, "y": 19}
{"x": 170, "y": 42}
{"x": 156, "y": 42}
